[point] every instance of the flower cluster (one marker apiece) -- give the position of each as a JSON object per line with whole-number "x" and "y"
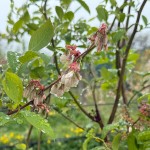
{"x": 71, "y": 77}
{"x": 100, "y": 38}
{"x": 35, "y": 91}
{"x": 145, "y": 109}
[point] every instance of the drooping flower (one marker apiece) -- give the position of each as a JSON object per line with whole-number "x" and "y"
{"x": 34, "y": 91}
{"x": 58, "y": 89}
{"x": 100, "y": 38}
{"x": 64, "y": 59}
{"x": 71, "y": 79}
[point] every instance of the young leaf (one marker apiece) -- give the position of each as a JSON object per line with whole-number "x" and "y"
{"x": 17, "y": 26}
{"x": 102, "y": 13}
{"x": 84, "y": 5}
{"x": 116, "y": 36}
{"x": 59, "y": 12}
{"x": 13, "y": 87}
{"x": 69, "y": 15}
{"x": 12, "y": 60}
{"x": 38, "y": 122}
{"x": 144, "y": 20}
{"x": 28, "y": 56}
{"x": 116, "y": 141}
{"x": 42, "y": 36}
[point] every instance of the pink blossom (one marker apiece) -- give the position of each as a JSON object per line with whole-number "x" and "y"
{"x": 71, "y": 47}
{"x": 75, "y": 66}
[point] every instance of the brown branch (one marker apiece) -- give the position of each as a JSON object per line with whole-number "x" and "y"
{"x": 20, "y": 108}
{"x": 112, "y": 116}
{"x": 81, "y": 108}
{"x": 98, "y": 116}
{"x": 111, "y": 25}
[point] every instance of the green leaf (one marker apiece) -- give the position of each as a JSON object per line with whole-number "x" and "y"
{"x": 12, "y": 60}
{"x": 25, "y": 18}
{"x": 133, "y": 57}
{"x": 84, "y": 5}
{"x": 13, "y": 87}
{"x": 35, "y": 63}
{"x": 17, "y": 26}
{"x": 108, "y": 128}
{"x": 116, "y": 36}
{"x": 131, "y": 141}
{"x": 144, "y": 136}
{"x": 102, "y": 13}
{"x": 116, "y": 141}
{"x": 121, "y": 17}
{"x": 69, "y": 15}
{"x": 37, "y": 73}
{"x": 113, "y": 2}
{"x": 38, "y": 122}
{"x": 59, "y": 12}
{"x": 41, "y": 37}
{"x": 28, "y": 56}
{"x": 145, "y": 20}
{"x": 145, "y": 96}
{"x": 4, "y": 119}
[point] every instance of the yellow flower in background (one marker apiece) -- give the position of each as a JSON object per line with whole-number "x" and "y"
{"x": 11, "y": 134}
{"x": 4, "y": 139}
{"x": 76, "y": 130}
{"x": 67, "y": 135}
{"x": 51, "y": 113}
{"x": 19, "y": 137}
{"x": 48, "y": 141}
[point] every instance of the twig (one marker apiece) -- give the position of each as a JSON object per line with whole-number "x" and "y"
{"x": 20, "y": 108}
{"x": 111, "y": 118}
{"x": 39, "y": 140}
{"x": 143, "y": 88}
{"x": 111, "y": 25}
{"x": 28, "y": 136}
{"x": 44, "y": 8}
{"x": 68, "y": 119}
{"x": 81, "y": 108}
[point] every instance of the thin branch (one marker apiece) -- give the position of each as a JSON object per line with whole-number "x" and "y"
{"x": 112, "y": 116}
{"x": 44, "y": 8}
{"x": 128, "y": 17}
{"x": 68, "y": 119}
{"x": 28, "y": 136}
{"x": 143, "y": 88}
{"x": 111, "y": 25}
{"x": 81, "y": 108}
{"x": 39, "y": 140}
{"x": 20, "y": 108}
